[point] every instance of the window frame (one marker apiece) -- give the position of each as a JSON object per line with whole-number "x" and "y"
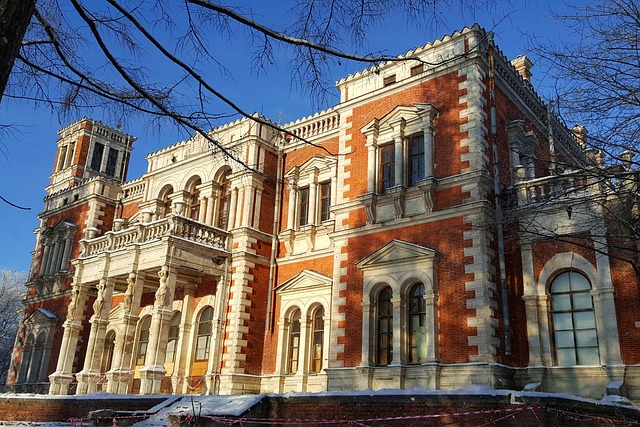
{"x": 303, "y": 206}
{"x": 317, "y": 339}
{"x": 295, "y": 336}
{"x": 576, "y": 356}
{"x": 206, "y": 348}
{"x": 325, "y": 200}
{"x": 386, "y": 167}
{"x": 384, "y": 314}
{"x": 143, "y": 338}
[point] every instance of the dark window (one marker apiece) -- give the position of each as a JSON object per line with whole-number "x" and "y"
{"x": 389, "y": 80}
{"x": 107, "y": 353}
{"x": 416, "y": 160}
{"x": 318, "y": 340}
{"x": 304, "y": 206}
{"x": 384, "y": 347}
{"x": 294, "y": 342}
{"x": 174, "y": 334}
{"x": 325, "y": 200}
{"x": 194, "y": 201}
{"x": 203, "y": 340}
{"x": 387, "y": 166}
{"x": 417, "y": 69}
{"x": 96, "y": 159}
{"x": 224, "y": 202}
{"x": 111, "y": 162}
{"x": 574, "y": 324}
{"x": 417, "y": 325}
{"x": 143, "y": 342}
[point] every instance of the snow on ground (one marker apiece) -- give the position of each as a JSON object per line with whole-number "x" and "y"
{"x": 236, "y": 405}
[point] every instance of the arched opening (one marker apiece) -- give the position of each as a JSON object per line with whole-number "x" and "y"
{"x": 294, "y": 342}
{"x": 417, "y": 333}
{"x": 165, "y": 200}
{"x": 194, "y": 199}
{"x": 27, "y": 351}
{"x": 384, "y": 327}
{"x": 107, "y": 351}
{"x": 143, "y": 341}
{"x": 317, "y": 340}
{"x": 224, "y": 201}
{"x": 574, "y": 325}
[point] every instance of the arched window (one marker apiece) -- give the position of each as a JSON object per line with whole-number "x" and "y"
{"x": 317, "y": 337}
{"x": 27, "y": 352}
{"x": 107, "y": 352}
{"x": 165, "y": 201}
{"x": 384, "y": 339}
{"x": 574, "y": 325}
{"x": 174, "y": 333}
{"x": 194, "y": 200}
{"x": 35, "y": 364}
{"x": 203, "y": 340}
{"x": 417, "y": 335}
{"x": 143, "y": 341}
{"x": 294, "y": 342}
{"x": 224, "y": 201}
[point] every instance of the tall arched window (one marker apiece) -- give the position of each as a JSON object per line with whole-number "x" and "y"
{"x": 35, "y": 364}
{"x": 417, "y": 324}
{"x": 384, "y": 339}
{"x": 317, "y": 337}
{"x": 194, "y": 200}
{"x": 143, "y": 341}
{"x": 203, "y": 340}
{"x": 165, "y": 201}
{"x": 107, "y": 352}
{"x": 224, "y": 201}
{"x": 174, "y": 333}
{"x": 294, "y": 342}
{"x": 27, "y": 352}
{"x": 574, "y": 325}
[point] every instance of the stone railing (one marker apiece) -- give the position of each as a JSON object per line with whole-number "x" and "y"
{"x": 133, "y": 188}
{"x": 315, "y": 125}
{"x": 140, "y": 233}
{"x": 554, "y": 188}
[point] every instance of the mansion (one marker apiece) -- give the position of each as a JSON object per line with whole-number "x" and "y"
{"x": 437, "y": 228}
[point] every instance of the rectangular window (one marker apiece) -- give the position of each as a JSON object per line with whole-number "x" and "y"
{"x": 111, "y": 162}
{"x": 303, "y": 205}
{"x": 387, "y": 166}
{"x": 417, "y": 69}
{"x": 63, "y": 155}
{"x": 96, "y": 159}
{"x": 389, "y": 80}
{"x": 325, "y": 200}
{"x": 416, "y": 160}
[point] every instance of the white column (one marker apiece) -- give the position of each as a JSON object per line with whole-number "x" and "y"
{"x": 428, "y": 149}
{"x": 291, "y": 213}
{"x": 313, "y": 202}
{"x": 531, "y": 302}
{"x": 431, "y": 316}
{"x": 303, "y": 350}
{"x": 399, "y": 160}
{"x": 256, "y": 212}
{"x": 46, "y": 256}
{"x": 203, "y": 209}
{"x": 366, "y": 331}
{"x": 247, "y": 211}
{"x": 372, "y": 166}
{"x": 398, "y": 330}
{"x": 66, "y": 254}
{"x": 232, "y": 208}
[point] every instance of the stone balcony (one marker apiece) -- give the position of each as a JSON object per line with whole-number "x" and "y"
{"x": 556, "y": 188}
{"x": 174, "y": 241}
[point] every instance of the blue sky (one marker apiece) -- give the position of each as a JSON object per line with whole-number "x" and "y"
{"x": 27, "y": 152}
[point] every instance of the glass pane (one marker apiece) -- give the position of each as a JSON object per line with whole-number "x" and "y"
{"x": 588, "y": 356}
{"x": 584, "y": 320}
{"x": 564, "y": 339}
{"x": 586, "y": 338}
{"x": 579, "y": 282}
{"x": 566, "y": 357}
{"x": 561, "y": 302}
{"x": 581, "y": 301}
{"x": 562, "y": 321}
{"x": 561, "y": 283}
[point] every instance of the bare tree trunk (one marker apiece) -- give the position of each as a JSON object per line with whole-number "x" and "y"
{"x": 15, "y": 16}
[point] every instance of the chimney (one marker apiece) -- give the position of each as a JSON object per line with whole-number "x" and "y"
{"x": 523, "y": 66}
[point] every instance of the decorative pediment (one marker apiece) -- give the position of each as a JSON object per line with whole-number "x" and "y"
{"x": 304, "y": 281}
{"x": 398, "y": 252}
{"x": 319, "y": 163}
{"x": 400, "y": 117}
{"x": 41, "y": 316}
{"x": 61, "y": 228}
